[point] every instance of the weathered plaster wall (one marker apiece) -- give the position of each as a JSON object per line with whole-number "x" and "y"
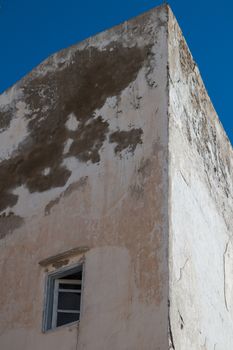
{"x": 201, "y": 210}
{"x": 83, "y": 162}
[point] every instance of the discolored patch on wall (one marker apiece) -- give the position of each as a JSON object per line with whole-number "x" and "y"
{"x": 76, "y": 186}
{"x": 80, "y": 88}
{"x": 143, "y": 173}
{"x": 5, "y": 119}
{"x": 7, "y": 199}
{"x": 51, "y": 204}
{"x": 145, "y": 168}
{"x": 186, "y": 61}
{"x": 126, "y": 140}
{"x": 201, "y": 134}
{"x": 8, "y": 223}
{"x": 71, "y": 188}
{"x": 137, "y": 191}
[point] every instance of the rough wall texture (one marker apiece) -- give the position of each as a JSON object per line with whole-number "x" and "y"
{"x": 201, "y": 210}
{"x": 113, "y": 147}
{"x": 83, "y": 163}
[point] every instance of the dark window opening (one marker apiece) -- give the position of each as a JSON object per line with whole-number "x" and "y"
{"x": 63, "y": 298}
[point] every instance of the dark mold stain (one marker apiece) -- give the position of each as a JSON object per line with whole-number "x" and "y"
{"x": 88, "y": 140}
{"x": 80, "y": 88}
{"x": 8, "y": 223}
{"x": 126, "y": 139}
{"x": 71, "y": 188}
{"x": 7, "y": 199}
{"x": 5, "y": 120}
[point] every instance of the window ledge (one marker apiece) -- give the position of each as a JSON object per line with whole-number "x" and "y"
{"x": 56, "y": 259}
{"x": 68, "y": 325}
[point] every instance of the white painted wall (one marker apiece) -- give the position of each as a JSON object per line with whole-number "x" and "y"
{"x": 201, "y": 208}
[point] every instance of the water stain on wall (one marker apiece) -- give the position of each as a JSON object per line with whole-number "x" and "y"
{"x": 79, "y": 89}
{"x": 82, "y": 182}
{"x": 8, "y": 223}
{"x": 126, "y": 139}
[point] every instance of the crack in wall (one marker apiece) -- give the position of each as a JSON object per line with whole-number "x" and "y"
{"x": 170, "y": 334}
{"x": 183, "y": 177}
{"x": 181, "y": 269}
{"x": 181, "y": 320}
{"x": 224, "y": 275}
{"x": 171, "y": 340}
{"x": 77, "y": 336}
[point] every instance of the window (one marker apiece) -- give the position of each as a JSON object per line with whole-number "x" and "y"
{"x": 63, "y": 297}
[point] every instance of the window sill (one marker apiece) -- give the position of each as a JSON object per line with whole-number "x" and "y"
{"x": 68, "y": 325}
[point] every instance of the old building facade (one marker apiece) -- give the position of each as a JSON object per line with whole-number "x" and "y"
{"x": 116, "y": 199}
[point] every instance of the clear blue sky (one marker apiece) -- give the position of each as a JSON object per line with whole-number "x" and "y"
{"x": 30, "y": 30}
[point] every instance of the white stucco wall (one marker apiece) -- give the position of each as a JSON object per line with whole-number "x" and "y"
{"x": 201, "y": 210}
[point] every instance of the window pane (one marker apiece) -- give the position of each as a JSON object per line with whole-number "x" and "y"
{"x": 74, "y": 276}
{"x": 64, "y": 318}
{"x": 69, "y": 301}
{"x": 70, "y": 286}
